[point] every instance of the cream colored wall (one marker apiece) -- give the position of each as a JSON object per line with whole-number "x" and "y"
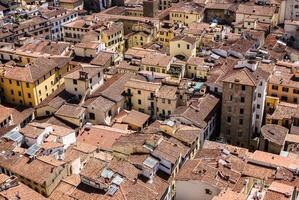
{"x": 185, "y": 18}
{"x": 182, "y": 50}
{"x": 145, "y": 102}
{"x": 166, "y": 106}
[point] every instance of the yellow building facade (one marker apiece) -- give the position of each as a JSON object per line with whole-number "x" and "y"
{"x": 284, "y": 85}
{"x": 141, "y": 95}
{"x": 72, "y": 4}
{"x": 183, "y": 47}
{"x": 165, "y": 35}
{"x": 113, "y": 36}
{"x": 31, "y": 84}
{"x": 186, "y": 13}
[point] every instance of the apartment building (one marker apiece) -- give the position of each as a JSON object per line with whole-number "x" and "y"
{"x": 34, "y": 49}
{"x": 141, "y": 95}
{"x": 197, "y": 67}
{"x": 243, "y": 100}
{"x": 203, "y": 113}
{"x": 167, "y": 32}
{"x": 183, "y": 47}
{"x": 13, "y": 184}
{"x": 201, "y": 177}
{"x": 109, "y": 35}
{"x": 72, "y": 113}
{"x": 186, "y": 13}
{"x": 282, "y": 114}
{"x": 112, "y": 35}
{"x": 156, "y": 62}
{"x": 164, "y": 4}
{"x": 166, "y": 100}
{"x": 36, "y": 26}
{"x": 6, "y": 117}
{"x": 84, "y": 81}
{"x": 31, "y": 84}
{"x": 41, "y": 175}
{"x": 262, "y": 13}
{"x": 58, "y": 17}
{"x": 72, "y": 4}
{"x": 142, "y": 33}
{"x": 284, "y": 83}
{"x": 75, "y": 30}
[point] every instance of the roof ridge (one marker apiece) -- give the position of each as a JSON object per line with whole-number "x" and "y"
{"x": 249, "y": 75}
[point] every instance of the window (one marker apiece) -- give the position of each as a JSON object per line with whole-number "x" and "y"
{"x": 76, "y": 89}
{"x": 241, "y": 111}
{"x": 139, "y": 101}
{"x": 242, "y": 99}
{"x": 258, "y": 106}
{"x": 188, "y": 46}
{"x": 169, "y": 102}
{"x": 229, "y": 108}
{"x": 239, "y": 133}
{"x": 284, "y": 98}
{"x": 29, "y": 95}
{"x": 10, "y": 82}
{"x": 259, "y": 95}
{"x": 179, "y": 46}
{"x": 19, "y": 93}
{"x": 139, "y": 92}
{"x": 11, "y": 92}
{"x": 92, "y": 116}
{"x": 243, "y": 87}
{"x": 257, "y": 116}
{"x": 169, "y": 112}
{"x": 240, "y": 121}
{"x": 18, "y": 83}
{"x": 40, "y": 92}
{"x": 75, "y": 82}
{"x": 284, "y": 89}
{"x": 231, "y": 97}
{"x": 228, "y": 119}
{"x": 99, "y": 75}
{"x": 230, "y": 85}
{"x": 296, "y": 91}
{"x": 274, "y": 87}
{"x": 46, "y": 87}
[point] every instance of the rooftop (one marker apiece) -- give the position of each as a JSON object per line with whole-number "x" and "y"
{"x": 100, "y": 136}
{"x": 143, "y": 85}
{"x": 70, "y": 110}
{"x": 256, "y": 10}
{"x": 274, "y": 133}
{"x": 136, "y": 118}
{"x": 34, "y": 70}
